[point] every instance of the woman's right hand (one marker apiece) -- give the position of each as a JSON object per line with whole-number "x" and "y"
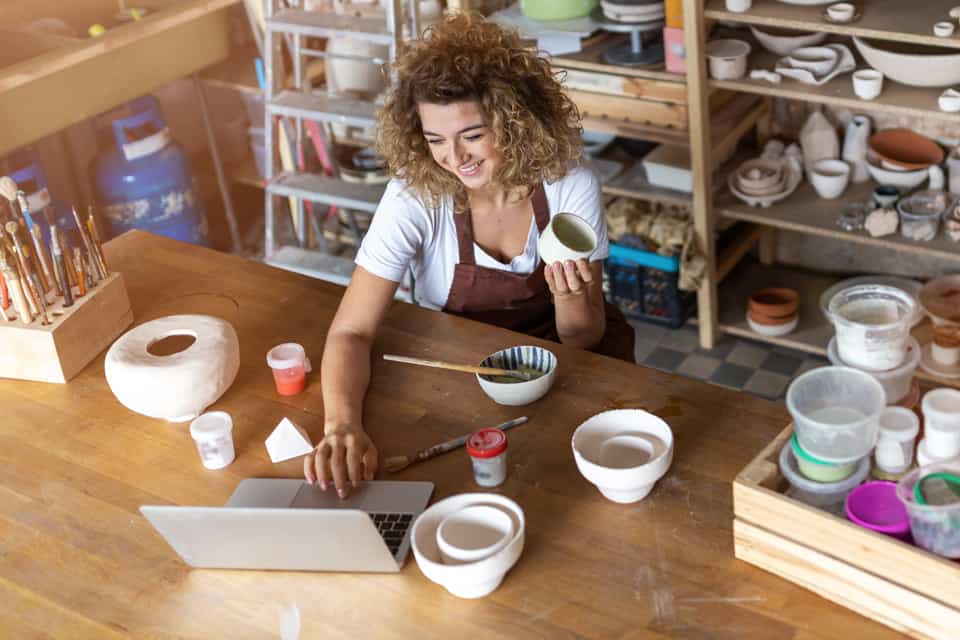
{"x": 344, "y": 457}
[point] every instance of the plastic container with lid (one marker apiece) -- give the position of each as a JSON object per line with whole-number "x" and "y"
{"x": 873, "y": 325}
{"x": 898, "y": 432}
{"x": 920, "y": 214}
{"x": 935, "y": 527}
{"x": 941, "y": 422}
{"x": 488, "y": 453}
{"x": 823, "y": 495}
{"x": 835, "y": 412}
{"x": 897, "y": 382}
{"x": 213, "y": 433}
{"x": 290, "y": 366}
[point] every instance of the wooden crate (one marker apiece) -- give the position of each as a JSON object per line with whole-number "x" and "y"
{"x": 60, "y": 350}
{"x": 894, "y": 583}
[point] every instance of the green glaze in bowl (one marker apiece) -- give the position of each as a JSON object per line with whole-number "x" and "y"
{"x": 557, "y": 9}
{"x": 818, "y": 470}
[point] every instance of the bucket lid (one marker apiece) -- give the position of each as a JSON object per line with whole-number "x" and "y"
{"x": 286, "y": 356}
{"x": 487, "y": 443}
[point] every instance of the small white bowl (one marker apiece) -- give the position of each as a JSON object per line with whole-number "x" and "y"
{"x": 516, "y": 394}
{"x": 473, "y": 579}
{"x": 841, "y": 11}
{"x": 830, "y": 178}
{"x": 867, "y": 83}
{"x": 773, "y": 330}
{"x": 949, "y": 101}
{"x": 943, "y": 29}
{"x": 784, "y": 45}
{"x": 473, "y": 533}
{"x": 899, "y": 179}
{"x": 606, "y": 442}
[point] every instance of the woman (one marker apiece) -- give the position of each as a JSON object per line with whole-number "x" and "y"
{"x": 484, "y": 146}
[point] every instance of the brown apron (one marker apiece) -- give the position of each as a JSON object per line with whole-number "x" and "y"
{"x": 516, "y": 301}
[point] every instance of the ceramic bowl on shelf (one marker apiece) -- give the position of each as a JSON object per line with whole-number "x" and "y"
{"x": 903, "y": 180}
{"x": 727, "y": 58}
{"x": 773, "y": 330}
{"x": 547, "y": 10}
{"x": 949, "y": 101}
{"x": 819, "y": 61}
{"x": 830, "y": 178}
{"x": 774, "y": 303}
{"x": 904, "y": 149}
{"x": 786, "y": 42}
{"x": 867, "y": 83}
{"x": 943, "y": 29}
{"x": 900, "y": 62}
{"x": 633, "y": 10}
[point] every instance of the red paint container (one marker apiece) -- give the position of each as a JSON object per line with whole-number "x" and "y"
{"x": 290, "y": 366}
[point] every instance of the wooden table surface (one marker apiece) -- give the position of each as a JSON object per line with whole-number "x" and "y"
{"x": 78, "y": 561}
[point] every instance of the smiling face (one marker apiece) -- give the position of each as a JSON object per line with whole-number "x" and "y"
{"x": 460, "y": 141}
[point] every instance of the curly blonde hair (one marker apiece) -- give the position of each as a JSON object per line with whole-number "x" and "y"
{"x": 536, "y": 127}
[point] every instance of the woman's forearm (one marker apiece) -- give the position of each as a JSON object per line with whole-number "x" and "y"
{"x": 345, "y": 375}
{"x": 580, "y": 320}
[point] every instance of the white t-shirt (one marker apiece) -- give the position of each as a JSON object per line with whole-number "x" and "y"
{"x": 407, "y": 233}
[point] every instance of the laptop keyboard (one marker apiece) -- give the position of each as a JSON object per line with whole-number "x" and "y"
{"x": 392, "y": 527}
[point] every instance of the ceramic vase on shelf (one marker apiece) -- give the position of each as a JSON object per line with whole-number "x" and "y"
{"x": 855, "y": 147}
{"x": 953, "y": 169}
{"x": 818, "y": 140}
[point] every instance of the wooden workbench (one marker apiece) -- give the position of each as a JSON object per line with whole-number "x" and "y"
{"x": 78, "y": 561}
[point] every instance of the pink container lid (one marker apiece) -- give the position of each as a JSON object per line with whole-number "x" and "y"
{"x": 876, "y": 506}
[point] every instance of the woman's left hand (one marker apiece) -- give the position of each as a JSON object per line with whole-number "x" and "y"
{"x": 568, "y": 278}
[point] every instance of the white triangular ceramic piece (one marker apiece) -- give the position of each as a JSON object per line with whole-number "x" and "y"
{"x": 288, "y": 441}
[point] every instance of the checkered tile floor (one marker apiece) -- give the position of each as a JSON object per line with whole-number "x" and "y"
{"x": 755, "y": 367}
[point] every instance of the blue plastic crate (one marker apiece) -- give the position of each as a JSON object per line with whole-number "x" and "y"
{"x": 644, "y": 285}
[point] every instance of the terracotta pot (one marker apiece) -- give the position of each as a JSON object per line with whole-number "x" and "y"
{"x": 773, "y": 303}
{"x": 768, "y": 321}
{"x": 906, "y": 149}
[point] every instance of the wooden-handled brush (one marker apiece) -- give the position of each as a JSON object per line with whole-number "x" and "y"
{"x": 399, "y": 463}
{"x": 468, "y": 368}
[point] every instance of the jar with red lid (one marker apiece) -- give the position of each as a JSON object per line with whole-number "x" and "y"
{"x": 488, "y": 452}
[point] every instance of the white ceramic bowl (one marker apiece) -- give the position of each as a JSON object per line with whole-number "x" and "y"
{"x": 949, "y": 101}
{"x": 473, "y": 579}
{"x": 830, "y": 178}
{"x": 817, "y": 60}
{"x": 867, "y": 83}
{"x": 515, "y": 394}
{"x": 939, "y": 69}
{"x": 943, "y": 29}
{"x": 773, "y": 330}
{"x": 603, "y": 455}
{"x": 899, "y": 179}
{"x": 841, "y": 11}
{"x": 566, "y": 237}
{"x": 783, "y": 45}
{"x": 473, "y": 533}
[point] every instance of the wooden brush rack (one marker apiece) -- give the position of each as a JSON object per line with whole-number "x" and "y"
{"x": 76, "y": 335}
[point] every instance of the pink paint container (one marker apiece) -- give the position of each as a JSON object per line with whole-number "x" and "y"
{"x": 875, "y": 506}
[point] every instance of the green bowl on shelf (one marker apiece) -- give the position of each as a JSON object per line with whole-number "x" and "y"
{"x": 547, "y": 10}
{"x": 820, "y": 470}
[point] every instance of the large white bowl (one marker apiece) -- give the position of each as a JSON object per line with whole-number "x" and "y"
{"x": 473, "y": 579}
{"x": 899, "y": 179}
{"x": 914, "y": 69}
{"x": 594, "y": 458}
{"x": 473, "y": 533}
{"x": 519, "y": 393}
{"x": 785, "y": 44}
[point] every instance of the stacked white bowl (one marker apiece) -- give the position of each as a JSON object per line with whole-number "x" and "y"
{"x": 467, "y": 543}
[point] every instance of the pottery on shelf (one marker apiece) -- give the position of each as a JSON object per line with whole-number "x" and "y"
{"x": 792, "y": 176}
{"x": 829, "y": 178}
{"x": 785, "y": 43}
{"x": 867, "y": 83}
{"x": 903, "y": 149}
{"x": 855, "y": 147}
{"x": 633, "y": 10}
{"x": 819, "y": 140}
{"x": 949, "y": 101}
{"x": 953, "y": 167}
{"x": 727, "y": 58}
{"x": 943, "y": 29}
{"x": 775, "y": 303}
{"x": 810, "y": 65}
{"x": 903, "y": 180}
{"x": 901, "y": 62}
{"x": 841, "y": 12}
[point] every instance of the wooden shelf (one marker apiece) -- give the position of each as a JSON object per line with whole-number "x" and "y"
{"x": 882, "y": 19}
{"x": 814, "y": 331}
{"x": 591, "y": 59}
{"x": 806, "y": 212}
{"x": 896, "y": 98}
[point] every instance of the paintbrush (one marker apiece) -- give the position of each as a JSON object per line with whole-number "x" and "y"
{"x": 81, "y": 276}
{"x": 12, "y": 280}
{"x": 84, "y": 236}
{"x": 95, "y": 241}
{"x": 399, "y": 463}
{"x": 468, "y": 368}
{"x": 35, "y": 294}
{"x": 60, "y": 267}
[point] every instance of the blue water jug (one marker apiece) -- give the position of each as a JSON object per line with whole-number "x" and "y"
{"x": 145, "y": 181}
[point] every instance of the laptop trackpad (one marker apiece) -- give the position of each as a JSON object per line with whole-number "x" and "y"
{"x": 372, "y": 497}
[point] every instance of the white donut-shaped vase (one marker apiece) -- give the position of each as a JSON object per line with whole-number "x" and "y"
{"x": 176, "y": 387}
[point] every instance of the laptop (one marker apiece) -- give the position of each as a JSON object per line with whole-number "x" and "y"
{"x": 291, "y": 525}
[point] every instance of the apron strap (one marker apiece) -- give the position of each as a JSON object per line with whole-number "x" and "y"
{"x": 541, "y": 211}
